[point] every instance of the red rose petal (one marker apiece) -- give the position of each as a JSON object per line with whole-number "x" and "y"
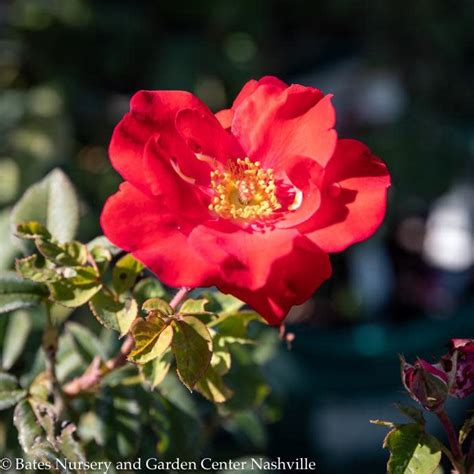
{"x": 357, "y": 209}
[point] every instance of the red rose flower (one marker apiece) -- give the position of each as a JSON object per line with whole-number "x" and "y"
{"x": 426, "y": 383}
{"x": 250, "y": 200}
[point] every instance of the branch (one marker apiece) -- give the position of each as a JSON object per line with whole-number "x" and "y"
{"x": 95, "y": 372}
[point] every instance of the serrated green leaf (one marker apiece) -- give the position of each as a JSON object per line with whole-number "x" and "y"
{"x": 17, "y": 332}
{"x": 52, "y": 202}
{"x": 29, "y": 268}
{"x": 152, "y": 338}
{"x": 413, "y": 413}
{"x": 113, "y": 314}
{"x": 30, "y": 432}
{"x": 412, "y": 451}
{"x": 77, "y": 289}
{"x": 16, "y": 293}
{"x": 10, "y": 392}
{"x": 148, "y": 288}
{"x": 233, "y": 326}
{"x": 125, "y": 273}
{"x": 192, "y": 347}
{"x": 158, "y": 305}
{"x": 32, "y": 230}
{"x": 68, "y": 254}
{"x": 212, "y": 387}
{"x": 155, "y": 371}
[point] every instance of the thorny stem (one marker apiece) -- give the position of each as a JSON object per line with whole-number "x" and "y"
{"x": 453, "y": 441}
{"x": 94, "y": 373}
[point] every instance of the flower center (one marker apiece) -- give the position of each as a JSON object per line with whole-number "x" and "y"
{"x": 243, "y": 191}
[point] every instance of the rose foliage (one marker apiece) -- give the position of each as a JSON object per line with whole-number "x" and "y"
{"x": 101, "y": 362}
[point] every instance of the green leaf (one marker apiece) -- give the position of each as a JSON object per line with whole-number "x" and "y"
{"x": 32, "y": 230}
{"x": 10, "y": 392}
{"x": 125, "y": 273}
{"x": 86, "y": 342}
{"x": 156, "y": 370}
{"x": 42, "y": 386}
{"x": 76, "y": 290}
{"x": 212, "y": 387}
{"x": 466, "y": 429}
{"x": 52, "y": 202}
{"x": 198, "y": 309}
{"x": 250, "y": 425}
{"x": 158, "y": 305}
{"x": 148, "y": 288}
{"x": 152, "y": 338}
{"x": 30, "y": 269}
{"x": 112, "y": 314}
{"x": 413, "y": 413}
{"x": 192, "y": 347}
{"x": 233, "y": 326}
{"x": 46, "y": 417}
{"x": 191, "y": 306}
{"x": 91, "y": 428}
{"x": 221, "y": 358}
{"x": 68, "y": 254}
{"x": 8, "y": 249}
{"x": 222, "y": 303}
{"x": 16, "y": 335}
{"x": 30, "y": 432}
{"x": 412, "y": 450}
{"x": 16, "y": 293}
{"x": 69, "y": 447}
{"x": 102, "y": 257}
{"x": 105, "y": 243}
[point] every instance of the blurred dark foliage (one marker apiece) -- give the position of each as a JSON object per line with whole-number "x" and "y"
{"x": 402, "y": 74}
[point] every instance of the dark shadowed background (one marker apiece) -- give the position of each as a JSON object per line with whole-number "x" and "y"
{"x": 402, "y": 79}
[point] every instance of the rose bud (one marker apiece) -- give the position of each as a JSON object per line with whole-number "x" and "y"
{"x": 460, "y": 365}
{"x": 426, "y": 384}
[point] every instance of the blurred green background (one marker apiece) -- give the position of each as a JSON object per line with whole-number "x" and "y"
{"x": 402, "y": 76}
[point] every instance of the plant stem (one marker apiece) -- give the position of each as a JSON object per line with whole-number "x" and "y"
{"x": 94, "y": 373}
{"x": 179, "y": 296}
{"x": 50, "y": 347}
{"x": 453, "y": 440}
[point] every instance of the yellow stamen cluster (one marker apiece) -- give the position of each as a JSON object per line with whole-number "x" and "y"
{"x": 243, "y": 191}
